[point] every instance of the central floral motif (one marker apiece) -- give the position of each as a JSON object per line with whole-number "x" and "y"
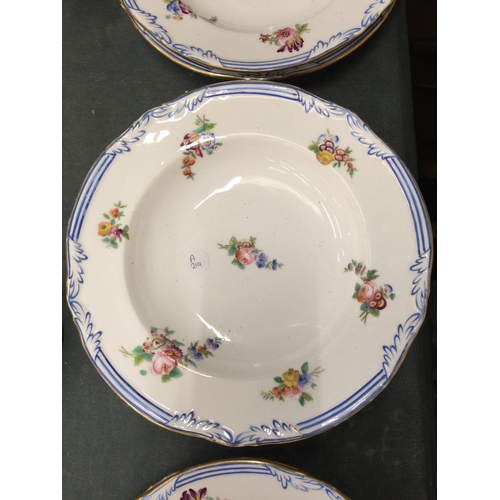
{"x": 165, "y": 355}
{"x": 293, "y": 384}
{"x": 196, "y": 142}
{"x": 245, "y": 253}
{"x": 286, "y": 38}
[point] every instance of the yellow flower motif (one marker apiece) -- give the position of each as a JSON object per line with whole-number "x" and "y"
{"x": 291, "y": 377}
{"x": 324, "y": 157}
{"x": 104, "y": 229}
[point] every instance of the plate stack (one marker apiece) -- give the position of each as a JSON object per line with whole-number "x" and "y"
{"x": 259, "y": 39}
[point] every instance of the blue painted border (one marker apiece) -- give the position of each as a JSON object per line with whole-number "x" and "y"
{"x": 287, "y": 479}
{"x": 331, "y": 57}
{"x": 370, "y": 14}
{"x": 391, "y": 355}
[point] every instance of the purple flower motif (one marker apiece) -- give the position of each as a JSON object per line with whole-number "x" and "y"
{"x": 185, "y": 9}
{"x": 116, "y": 232}
{"x": 275, "y": 264}
{"x": 328, "y": 146}
{"x": 304, "y": 380}
{"x": 211, "y": 344}
{"x": 192, "y": 495}
{"x": 261, "y": 260}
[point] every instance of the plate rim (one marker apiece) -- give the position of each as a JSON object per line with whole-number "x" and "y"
{"x": 298, "y": 474}
{"x": 206, "y": 56}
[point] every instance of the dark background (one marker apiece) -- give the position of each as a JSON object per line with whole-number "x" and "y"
{"x": 111, "y": 76}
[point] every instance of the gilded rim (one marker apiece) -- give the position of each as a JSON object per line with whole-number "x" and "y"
{"x": 298, "y": 438}
{"x": 253, "y": 75}
{"x": 151, "y": 490}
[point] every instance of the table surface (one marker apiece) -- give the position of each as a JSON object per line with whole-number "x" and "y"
{"x": 111, "y": 76}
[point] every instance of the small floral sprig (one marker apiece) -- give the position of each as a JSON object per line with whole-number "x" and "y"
{"x": 196, "y": 495}
{"x": 372, "y": 297}
{"x": 165, "y": 354}
{"x": 286, "y": 38}
{"x": 113, "y": 232}
{"x": 245, "y": 253}
{"x": 197, "y": 141}
{"x": 328, "y": 152}
{"x": 292, "y": 384}
{"x": 177, "y": 10}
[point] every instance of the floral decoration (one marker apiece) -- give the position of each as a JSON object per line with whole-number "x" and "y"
{"x": 293, "y": 384}
{"x": 328, "y": 151}
{"x": 177, "y": 10}
{"x": 373, "y": 298}
{"x": 196, "y": 142}
{"x": 113, "y": 231}
{"x": 196, "y": 495}
{"x": 245, "y": 254}
{"x": 165, "y": 356}
{"x": 286, "y": 38}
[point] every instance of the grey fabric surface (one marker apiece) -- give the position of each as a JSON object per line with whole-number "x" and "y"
{"x": 111, "y": 76}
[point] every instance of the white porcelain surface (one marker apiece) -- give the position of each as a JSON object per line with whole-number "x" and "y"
{"x": 255, "y": 36}
{"x": 288, "y": 286}
{"x": 241, "y": 480}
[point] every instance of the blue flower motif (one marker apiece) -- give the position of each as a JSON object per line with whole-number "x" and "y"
{"x": 174, "y": 7}
{"x": 275, "y": 264}
{"x": 194, "y": 353}
{"x": 207, "y": 141}
{"x": 304, "y": 380}
{"x": 211, "y": 344}
{"x": 261, "y": 260}
{"x": 328, "y": 137}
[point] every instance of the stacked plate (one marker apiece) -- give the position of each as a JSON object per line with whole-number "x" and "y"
{"x": 259, "y": 39}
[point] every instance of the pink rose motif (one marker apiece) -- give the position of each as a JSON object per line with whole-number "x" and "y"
{"x": 367, "y": 291}
{"x": 244, "y": 256}
{"x": 163, "y": 364}
{"x": 285, "y": 34}
{"x": 294, "y": 392}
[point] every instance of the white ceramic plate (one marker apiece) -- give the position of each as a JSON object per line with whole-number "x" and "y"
{"x": 255, "y": 36}
{"x": 313, "y": 65}
{"x": 248, "y": 263}
{"x": 241, "y": 480}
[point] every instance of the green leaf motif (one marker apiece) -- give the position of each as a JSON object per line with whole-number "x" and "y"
{"x": 241, "y": 266}
{"x": 233, "y": 241}
{"x": 375, "y": 312}
{"x": 302, "y": 401}
{"x": 364, "y": 306}
{"x": 307, "y": 396}
{"x": 137, "y": 350}
{"x": 138, "y": 360}
{"x": 106, "y": 216}
{"x": 232, "y": 251}
{"x": 113, "y": 243}
{"x": 357, "y": 286}
{"x": 200, "y": 129}
{"x": 125, "y": 235}
{"x": 278, "y": 379}
{"x": 175, "y": 373}
{"x": 165, "y": 378}
{"x": 177, "y": 343}
{"x": 143, "y": 372}
{"x": 105, "y": 240}
{"x": 392, "y": 296}
{"x": 305, "y": 367}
